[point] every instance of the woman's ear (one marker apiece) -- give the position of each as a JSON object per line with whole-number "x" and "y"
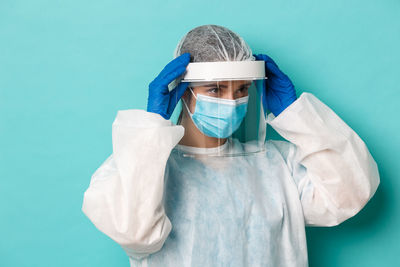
{"x": 186, "y": 96}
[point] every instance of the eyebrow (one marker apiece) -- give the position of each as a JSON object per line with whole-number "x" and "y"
{"x": 221, "y": 85}
{"x": 214, "y": 85}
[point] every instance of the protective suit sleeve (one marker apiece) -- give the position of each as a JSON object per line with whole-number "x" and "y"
{"x": 332, "y": 167}
{"x": 125, "y": 196}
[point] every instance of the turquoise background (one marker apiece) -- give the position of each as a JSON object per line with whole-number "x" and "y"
{"x": 67, "y": 67}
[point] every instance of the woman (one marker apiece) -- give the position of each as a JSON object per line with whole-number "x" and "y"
{"x": 166, "y": 209}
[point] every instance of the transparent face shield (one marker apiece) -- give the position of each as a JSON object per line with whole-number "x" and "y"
{"x": 222, "y": 112}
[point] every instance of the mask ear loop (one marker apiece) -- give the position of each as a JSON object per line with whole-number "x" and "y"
{"x": 190, "y": 88}
{"x": 184, "y": 101}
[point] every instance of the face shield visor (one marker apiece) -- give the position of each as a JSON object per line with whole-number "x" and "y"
{"x": 222, "y": 109}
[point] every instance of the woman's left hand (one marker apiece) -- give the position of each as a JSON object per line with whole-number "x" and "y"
{"x": 279, "y": 90}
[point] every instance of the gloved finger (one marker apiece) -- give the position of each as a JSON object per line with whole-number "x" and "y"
{"x": 177, "y": 93}
{"x": 174, "y": 75}
{"x": 177, "y": 63}
{"x": 161, "y": 85}
{"x": 259, "y": 57}
{"x": 264, "y": 57}
{"x": 271, "y": 68}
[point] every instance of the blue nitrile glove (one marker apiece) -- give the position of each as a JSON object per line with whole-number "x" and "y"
{"x": 280, "y": 92}
{"x": 161, "y": 100}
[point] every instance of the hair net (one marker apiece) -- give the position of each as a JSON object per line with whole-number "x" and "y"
{"x": 209, "y": 43}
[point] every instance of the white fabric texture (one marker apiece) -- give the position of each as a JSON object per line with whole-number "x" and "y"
{"x": 166, "y": 210}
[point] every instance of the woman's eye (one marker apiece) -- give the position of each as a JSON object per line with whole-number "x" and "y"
{"x": 213, "y": 90}
{"x": 243, "y": 90}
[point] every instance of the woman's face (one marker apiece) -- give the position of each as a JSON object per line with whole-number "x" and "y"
{"x": 222, "y": 89}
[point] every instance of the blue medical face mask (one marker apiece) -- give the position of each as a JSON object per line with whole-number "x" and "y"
{"x": 218, "y": 117}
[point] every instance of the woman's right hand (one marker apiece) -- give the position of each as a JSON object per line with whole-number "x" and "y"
{"x": 279, "y": 89}
{"x": 161, "y": 100}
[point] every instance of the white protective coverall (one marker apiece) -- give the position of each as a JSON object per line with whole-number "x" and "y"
{"x": 168, "y": 210}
